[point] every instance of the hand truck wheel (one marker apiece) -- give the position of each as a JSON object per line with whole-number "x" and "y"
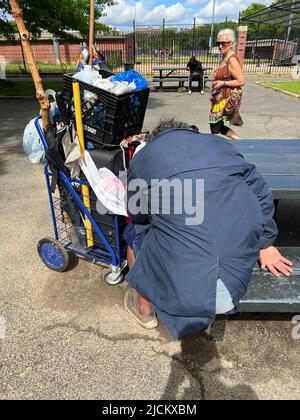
{"x": 53, "y": 254}
{"x": 114, "y": 276}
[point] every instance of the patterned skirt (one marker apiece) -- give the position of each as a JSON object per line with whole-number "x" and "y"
{"x": 225, "y": 105}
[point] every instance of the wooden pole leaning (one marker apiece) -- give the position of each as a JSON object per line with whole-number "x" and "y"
{"x": 25, "y": 40}
{"x": 92, "y": 30}
{"x": 84, "y": 189}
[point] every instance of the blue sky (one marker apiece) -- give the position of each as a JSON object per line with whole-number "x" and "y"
{"x": 174, "y": 11}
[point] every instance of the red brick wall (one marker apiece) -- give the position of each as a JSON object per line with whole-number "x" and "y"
{"x": 42, "y": 52}
{"x": 11, "y": 53}
{"x": 69, "y": 52}
{"x": 241, "y": 43}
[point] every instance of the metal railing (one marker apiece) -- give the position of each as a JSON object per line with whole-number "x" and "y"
{"x": 267, "y": 52}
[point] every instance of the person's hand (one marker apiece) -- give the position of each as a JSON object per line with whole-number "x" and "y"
{"x": 271, "y": 259}
{"x": 218, "y": 84}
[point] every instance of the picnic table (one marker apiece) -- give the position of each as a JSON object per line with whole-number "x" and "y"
{"x": 171, "y": 77}
{"x": 279, "y": 163}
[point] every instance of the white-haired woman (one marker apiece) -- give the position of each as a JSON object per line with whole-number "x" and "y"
{"x": 226, "y": 89}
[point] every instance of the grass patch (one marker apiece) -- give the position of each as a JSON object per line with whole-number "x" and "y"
{"x": 25, "y": 88}
{"x": 43, "y": 68}
{"x": 292, "y": 87}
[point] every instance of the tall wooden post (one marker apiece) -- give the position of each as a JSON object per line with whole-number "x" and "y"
{"x": 25, "y": 39}
{"x": 92, "y": 30}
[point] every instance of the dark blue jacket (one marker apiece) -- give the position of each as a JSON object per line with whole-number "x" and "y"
{"x": 178, "y": 265}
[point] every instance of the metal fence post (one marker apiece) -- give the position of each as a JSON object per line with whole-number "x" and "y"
{"x": 194, "y": 28}
{"x": 163, "y": 37}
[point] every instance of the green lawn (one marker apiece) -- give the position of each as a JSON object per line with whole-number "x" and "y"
{"x": 292, "y": 87}
{"x": 25, "y": 88}
{"x": 43, "y": 68}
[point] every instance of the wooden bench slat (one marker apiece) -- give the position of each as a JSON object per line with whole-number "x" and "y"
{"x": 170, "y": 77}
{"x": 173, "y": 79}
{"x": 284, "y": 187}
{"x": 269, "y": 294}
{"x": 267, "y": 157}
{"x": 278, "y": 162}
{"x": 258, "y": 142}
{"x": 283, "y": 168}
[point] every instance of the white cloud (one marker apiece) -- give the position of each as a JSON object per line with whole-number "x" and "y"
{"x": 151, "y": 12}
{"x": 223, "y": 9}
{"x": 124, "y": 13}
{"x": 194, "y": 2}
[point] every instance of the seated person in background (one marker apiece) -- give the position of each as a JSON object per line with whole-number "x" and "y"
{"x": 196, "y": 73}
{"x": 184, "y": 268}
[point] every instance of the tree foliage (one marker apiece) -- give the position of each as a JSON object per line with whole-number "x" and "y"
{"x": 55, "y": 16}
{"x": 254, "y": 7}
{"x": 187, "y": 39}
{"x": 271, "y": 29}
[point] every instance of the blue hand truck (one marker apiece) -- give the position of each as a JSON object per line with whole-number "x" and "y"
{"x": 109, "y": 247}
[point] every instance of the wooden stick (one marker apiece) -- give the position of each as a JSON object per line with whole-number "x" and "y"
{"x": 25, "y": 39}
{"x": 92, "y": 30}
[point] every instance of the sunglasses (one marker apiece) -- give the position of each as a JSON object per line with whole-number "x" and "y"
{"x": 223, "y": 43}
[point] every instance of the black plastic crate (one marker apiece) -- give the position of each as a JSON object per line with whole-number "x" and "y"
{"x": 111, "y": 228}
{"x": 112, "y": 232}
{"x": 112, "y": 117}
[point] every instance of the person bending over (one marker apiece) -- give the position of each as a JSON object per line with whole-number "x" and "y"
{"x": 202, "y": 217}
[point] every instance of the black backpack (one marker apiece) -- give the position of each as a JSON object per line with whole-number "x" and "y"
{"x": 55, "y": 153}
{"x": 56, "y": 160}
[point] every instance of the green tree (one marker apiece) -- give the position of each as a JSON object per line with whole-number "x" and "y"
{"x": 272, "y": 29}
{"x": 254, "y": 28}
{"x": 54, "y": 16}
{"x": 254, "y": 7}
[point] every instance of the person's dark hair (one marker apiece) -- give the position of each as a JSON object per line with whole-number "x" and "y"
{"x": 170, "y": 123}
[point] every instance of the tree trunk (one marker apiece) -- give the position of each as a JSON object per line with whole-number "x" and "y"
{"x": 25, "y": 39}
{"x": 92, "y": 30}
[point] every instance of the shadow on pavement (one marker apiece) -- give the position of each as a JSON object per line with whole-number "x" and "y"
{"x": 198, "y": 364}
{"x": 3, "y": 165}
{"x": 154, "y": 103}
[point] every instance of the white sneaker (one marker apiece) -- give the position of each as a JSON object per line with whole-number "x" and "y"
{"x": 202, "y": 92}
{"x": 189, "y": 92}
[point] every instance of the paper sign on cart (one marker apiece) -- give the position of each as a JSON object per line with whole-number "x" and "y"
{"x": 108, "y": 188}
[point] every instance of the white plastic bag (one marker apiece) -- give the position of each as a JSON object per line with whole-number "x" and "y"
{"x": 32, "y": 144}
{"x": 108, "y": 188}
{"x": 87, "y": 75}
{"x": 123, "y": 87}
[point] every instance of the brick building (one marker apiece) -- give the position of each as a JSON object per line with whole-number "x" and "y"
{"x": 47, "y": 50}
